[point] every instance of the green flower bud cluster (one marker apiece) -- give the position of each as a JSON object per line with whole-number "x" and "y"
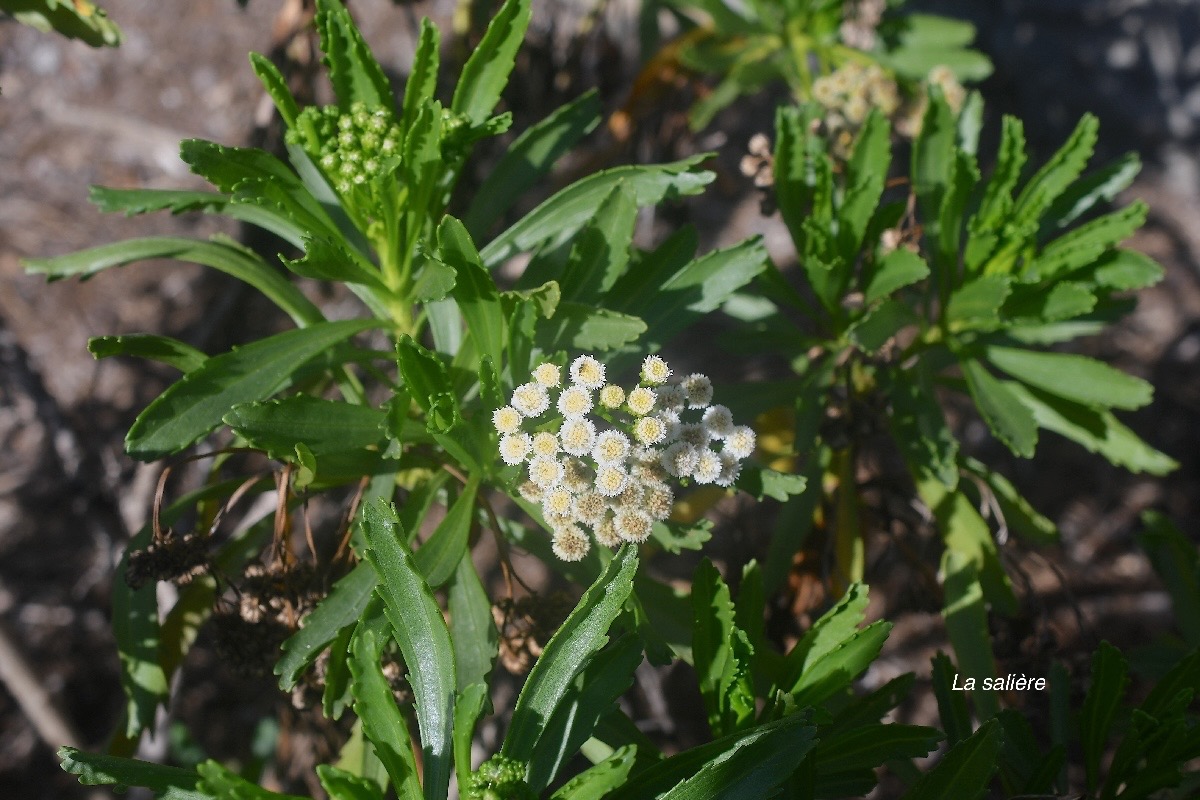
{"x": 498, "y": 778}
{"x": 351, "y": 147}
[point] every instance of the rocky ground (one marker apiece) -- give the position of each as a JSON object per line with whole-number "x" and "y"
{"x": 69, "y": 498}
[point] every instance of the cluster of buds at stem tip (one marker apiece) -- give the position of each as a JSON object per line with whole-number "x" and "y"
{"x": 599, "y": 457}
{"x": 350, "y": 147}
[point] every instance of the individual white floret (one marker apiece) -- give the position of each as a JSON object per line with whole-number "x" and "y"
{"x": 612, "y": 396}
{"x": 730, "y": 469}
{"x": 570, "y": 543}
{"x": 514, "y": 447}
{"x": 548, "y": 375}
{"x": 740, "y": 443}
{"x": 610, "y": 447}
{"x": 718, "y": 421}
{"x": 655, "y": 371}
{"x": 649, "y": 430}
{"x": 679, "y": 459}
{"x": 531, "y": 399}
{"x": 606, "y": 532}
{"x": 587, "y": 372}
{"x": 641, "y": 401}
{"x": 545, "y": 471}
{"x": 633, "y": 524}
{"x": 506, "y": 419}
{"x": 611, "y": 480}
{"x": 577, "y": 436}
{"x": 575, "y": 401}
{"x": 699, "y": 390}
{"x": 590, "y": 508}
{"x": 545, "y": 444}
{"x": 708, "y": 467}
{"x": 558, "y": 502}
{"x": 670, "y": 397}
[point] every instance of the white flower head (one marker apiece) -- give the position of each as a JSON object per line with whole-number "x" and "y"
{"x": 530, "y": 399}
{"x": 545, "y": 471}
{"x": 740, "y": 442}
{"x": 633, "y": 524}
{"x": 577, "y": 477}
{"x": 641, "y": 401}
{"x": 611, "y": 480}
{"x": 514, "y": 447}
{"x": 610, "y": 447}
{"x": 730, "y": 469}
{"x": 699, "y": 390}
{"x": 718, "y": 421}
{"x": 673, "y": 424}
{"x": 506, "y": 419}
{"x": 577, "y": 436}
{"x": 587, "y": 372}
{"x": 612, "y": 396}
{"x": 575, "y": 401}
{"x": 649, "y": 430}
{"x": 548, "y": 375}
{"x": 655, "y": 371}
{"x": 671, "y": 396}
{"x": 558, "y": 502}
{"x": 570, "y": 543}
{"x": 659, "y": 500}
{"x": 545, "y": 444}
{"x": 679, "y": 459}
{"x": 694, "y": 433}
{"x": 606, "y": 532}
{"x": 530, "y": 491}
{"x": 590, "y": 508}
{"x": 708, "y": 467}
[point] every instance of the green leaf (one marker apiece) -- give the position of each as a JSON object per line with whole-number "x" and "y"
{"x": 180, "y": 355}
{"x": 438, "y": 557}
{"x": 1098, "y": 431}
{"x": 486, "y": 72}
{"x": 763, "y": 482}
{"x": 897, "y": 269}
{"x": 323, "y": 426}
{"x": 433, "y": 281}
{"x": 276, "y": 86}
{"x": 712, "y": 640}
{"x": 342, "y": 607}
{"x": 879, "y": 325}
{"x": 592, "y": 695}
{"x": 953, "y": 713}
{"x": 834, "y": 671}
{"x": 917, "y": 62}
{"x": 866, "y": 173}
{"x": 355, "y": 74}
{"x": 195, "y": 404}
{"x": 225, "y": 784}
{"x": 1175, "y": 560}
{"x": 424, "y": 374}
{"x": 382, "y": 721}
{"x": 967, "y": 626}
{"x": 223, "y": 255}
{"x": 577, "y": 326}
{"x": 1123, "y": 270}
{"x": 424, "y": 640}
{"x": 1001, "y": 408}
{"x": 168, "y": 783}
{"x": 933, "y": 156}
{"x": 1101, "y": 186}
{"x": 75, "y": 20}
{"x": 977, "y": 302}
{"x": 966, "y": 770}
{"x": 555, "y": 220}
{"x": 1109, "y": 680}
{"x": 325, "y": 259}
{"x": 598, "y": 781}
{"x": 1085, "y": 244}
{"x": 832, "y": 628}
{"x": 421, "y": 86}
{"x": 1049, "y": 183}
{"x": 473, "y": 630}
{"x": 582, "y": 634}
{"x": 600, "y": 251}
{"x": 475, "y": 292}
{"x": 468, "y": 707}
{"x": 920, "y": 428}
{"x": 966, "y": 532}
{"x": 870, "y": 746}
{"x": 528, "y": 159}
{"x": 343, "y": 785}
{"x": 1015, "y": 511}
{"x": 1033, "y": 304}
{"x": 1077, "y": 378}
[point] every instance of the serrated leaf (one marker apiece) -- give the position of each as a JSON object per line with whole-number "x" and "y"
{"x": 833, "y": 672}
{"x": 224, "y": 784}
{"x": 880, "y": 324}
{"x": 325, "y": 259}
{"x": 555, "y": 220}
{"x": 933, "y": 156}
{"x": 227, "y": 257}
{"x": 343, "y": 785}
{"x": 977, "y": 303}
{"x": 473, "y": 630}
{"x": 382, "y": 721}
{"x": 966, "y": 532}
{"x": 1109, "y": 679}
{"x": 1101, "y": 186}
{"x": 180, "y": 355}
{"x": 528, "y": 158}
{"x": 424, "y": 374}
{"x": 341, "y": 607}
{"x": 583, "y": 633}
{"x": 966, "y": 771}
{"x": 424, "y": 640}
{"x": 1017, "y": 514}
{"x": 1085, "y": 244}
{"x": 600, "y": 251}
{"x": 1009, "y": 419}
{"x": 967, "y": 624}
{"x": 596, "y": 782}
{"x": 763, "y": 482}
{"x": 833, "y": 627}
{"x": 870, "y": 746}
{"x": 168, "y": 783}
{"x": 576, "y": 326}
{"x": 1049, "y": 183}
{"x": 1124, "y": 270}
{"x": 897, "y": 269}
{"x": 276, "y": 85}
{"x": 195, "y": 404}
{"x": 486, "y": 72}
{"x": 421, "y": 85}
{"x": 1072, "y": 377}
{"x": 323, "y": 426}
{"x": 433, "y": 281}
{"x": 997, "y": 197}
{"x": 355, "y": 74}
{"x": 474, "y": 292}
{"x": 920, "y": 427}
{"x": 712, "y": 635}
{"x": 866, "y": 173}
{"x": 1065, "y": 300}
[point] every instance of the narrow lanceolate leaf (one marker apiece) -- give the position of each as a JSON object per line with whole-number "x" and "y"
{"x": 977, "y": 303}
{"x": 1123, "y": 270}
{"x": 355, "y": 74}
{"x": 600, "y": 252}
{"x": 467, "y": 710}
{"x": 486, "y": 72}
{"x": 920, "y": 427}
{"x": 1048, "y": 184}
{"x": 1085, "y": 244}
{"x": 583, "y": 633}
{"x": 967, "y": 626}
{"x": 323, "y": 426}
{"x": 223, "y": 255}
{"x": 966, "y": 771}
{"x": 837, "y": 669}
{"x": 424, "y": 640}
{"x": 869, "y": 746}
{"x": 343, "y": 785}
{"x": 833, "y": 627}
{"x": 576, "y": 326}
{"x": 1078, "y": 378}
{"x": 194, "y": 405}
{"x": 328, "y": 259}
{"x": 596, "y": 783}
{"x": 1009, "y": 419}
{"x": 933, "y": 154}
{"x": 895, "y": 270}
{"x": 953, "y": 714}
{"x": 180, "y": 355}
{"x": 276, "y": 86}
{"x": 224, "y": 784}
{"x": 168, "y": 783}
{"x": 422, "y": 80}
{"x": 1101, "y": 186}
{"x": 424, "y": 373}
{"x": 1018, "y": 515}
{"x": 474, "y": 290}
{"x": 966, "y": 532}
{"x": 382, "y": 721}
{"x": 555, "y": 220}
{"x": 341, "y": 607}
{"x": 529, "y": 158}
{"x": 1110, "y": 676}
{"x": 712, "y": 638}
{"x": 438, "y": 557}
{"x": 471, "y": 625}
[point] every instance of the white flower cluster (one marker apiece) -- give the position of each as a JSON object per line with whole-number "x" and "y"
{"x": 602, "y": 462}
